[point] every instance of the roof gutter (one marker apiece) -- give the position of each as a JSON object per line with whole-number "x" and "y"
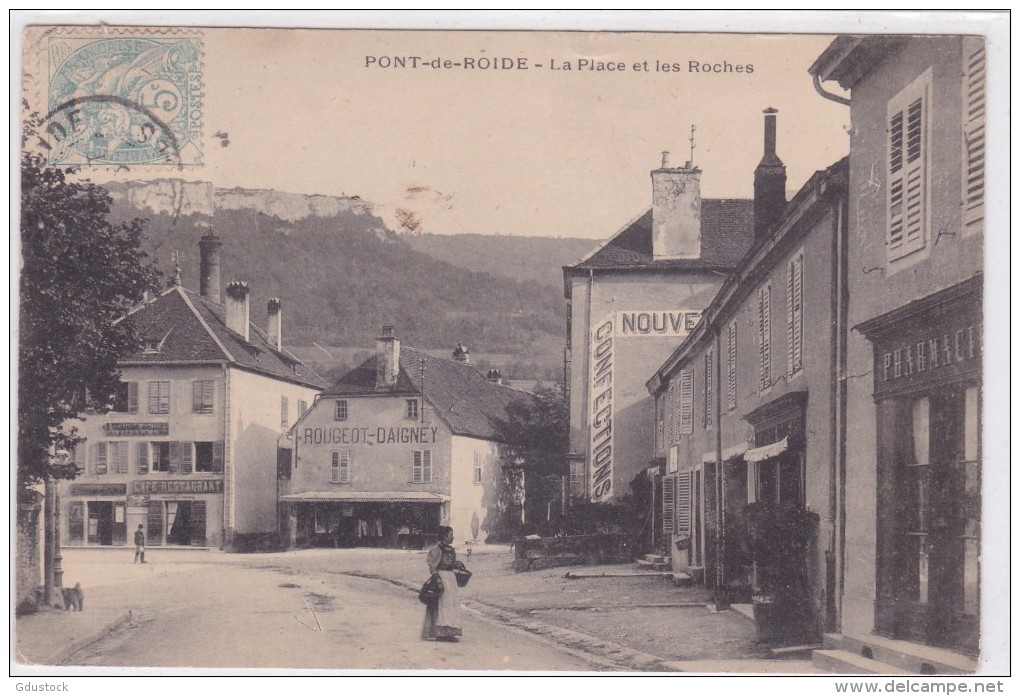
{"x": 828, "y": 95}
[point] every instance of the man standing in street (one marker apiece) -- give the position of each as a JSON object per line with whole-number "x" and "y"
{"x": 139, "y": 545}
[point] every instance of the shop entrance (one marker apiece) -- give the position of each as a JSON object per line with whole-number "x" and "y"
{"x": 935, "y": 539}
{"x": 355, "y": 525}
{"x": 100, "y": 525}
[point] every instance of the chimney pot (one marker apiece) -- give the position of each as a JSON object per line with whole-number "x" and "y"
{"x": 769, "y": 182}
{"x": 461, "y": 353}
{"x": 275, "y": 328}
{"x": 237, "y": 308}
{"x": 665, "y": 159}
{"x": 676, "y": 211}
{"x": 387, "y": 366}
{"x": 209, "y": 266}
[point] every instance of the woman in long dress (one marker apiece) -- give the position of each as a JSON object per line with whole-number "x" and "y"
{"x": 442, "y": 616}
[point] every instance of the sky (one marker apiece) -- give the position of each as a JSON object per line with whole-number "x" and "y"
{"x": 538, "y": 151}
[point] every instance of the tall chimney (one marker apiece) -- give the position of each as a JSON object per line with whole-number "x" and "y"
{"x": 769, "y": 182}
{"x": 209, "y": 266}
{"x": 275, "y": 328}
{"x": 461, "y": 353}
{"x": 237, "y": 308}
{"x": 387, "y": 367}
{"x": 676, "y": 211}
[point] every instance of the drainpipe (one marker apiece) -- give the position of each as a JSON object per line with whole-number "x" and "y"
{"x": 722, "y": 600}
{"x": 828, "y": 95}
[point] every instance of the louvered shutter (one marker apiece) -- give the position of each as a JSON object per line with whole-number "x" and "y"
{"x": 765, "y": 337}
{"x": 132, "y": 397}
{"x": 175, "y": 457}
{"x": 100, "y": 463}
{"x": 683, "y": 503}
{"x": 974, "y": 130}
{"x": 686, "y": 402}
{"x": 794, "y": 314}
{"x": 416, "y": 474}
{"x": 217, "y": 457}
{"x": 334, "y": 467}
{"x": 198, "y": 523}
{"x": 709, "y": 388}
{"x": 668, "y": 504}
{"x": 907, "y": 175}
{"x": 731, "y": 366}
{"x": 671, "y": 413}
{"x": 143, "y": 457}
{"x": 154, "y": 531}
{"x": 427, "y": 465}
{"x": 186, "y": 457}
{"x": 120, "y": 455}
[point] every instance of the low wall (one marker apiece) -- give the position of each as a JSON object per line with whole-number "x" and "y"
{"x": 552, "y": 552}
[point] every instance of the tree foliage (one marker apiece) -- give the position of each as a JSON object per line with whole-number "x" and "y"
{"x": 80, "y": 273}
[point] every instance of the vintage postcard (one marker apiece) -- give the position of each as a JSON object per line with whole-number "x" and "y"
{"x": 510, "y": 343}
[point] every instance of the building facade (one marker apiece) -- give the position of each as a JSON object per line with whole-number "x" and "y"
{"x": 396, "y": 447}
{"x": 629, "y": 303}
{"x": 189, "y": 449}
{"x": 745, "y": 406}
{"x": 910, "y": 486}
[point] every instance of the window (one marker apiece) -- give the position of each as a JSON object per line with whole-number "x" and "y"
{"x": 302, "y": 406}
{"x": 411, "y": 409}
{"x": 143, "y": 457}
{"x": 422, "y": 467}
{"x": 161, "y": 456}
{"x": 478, "y": 469}
{"x": 731, "y": 366}
{"x": 284, "y": 412}
{"x": 202, "y": 396}
{"x": 341, "y": 410}
{"x": 709, "y": 392}
{"x": 203, "y": 456}
{"x": 764, "y": 338}
{"x": 126, "y": 398}
{"x": 973, "y": 133}
{"x": 795, "y": 314}
{"x": 111, "y": 455}
{"x": 159, "y": 397}
{"x": 340, "y": 468}
{"x": 907, "y": 200}
{"x": 686, "y": 409}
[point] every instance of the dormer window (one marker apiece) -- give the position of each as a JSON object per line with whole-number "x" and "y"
{"x": 154, "y": 344}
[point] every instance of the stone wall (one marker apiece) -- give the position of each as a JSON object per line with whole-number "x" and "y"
{"x": 553, "y": 552}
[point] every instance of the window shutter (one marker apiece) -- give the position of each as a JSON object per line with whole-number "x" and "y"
{"x": 974, "y": 130}
{"x": 196, "y": 397}
{"x": 198, "y": 523}
{"x": 731, "y": 366}
{"x": 132, "y": 397}
{"x": 175, "y": 457}
{"x": 416, "y": 467}
{"x": 764, "y": 337}
{"x": 100, "y": 467}
{"x": 672, "y": 413}
{"x": 186, "y": 452}
{"x": 217, "y": 457}
{"x": 907, "y": 172}
{"x": 686, "y": 402}
{"x": 153, "y": 397}
{"x": 683, "y": 503}
{"x": 668, "y": 504}
{"x": 709, "y": 392}
{"x": 120, "y": 451}
{"x": 334, "y": 468}
{"x": 143, "y": 457}
{"x": 427, "y": 465}
{"x": 154, "y": 531}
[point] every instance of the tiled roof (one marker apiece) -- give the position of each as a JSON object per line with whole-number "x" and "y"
{"x": 193, "y": 328}
{"x": 727, "y": 230}
{"x": 462, "y": 397}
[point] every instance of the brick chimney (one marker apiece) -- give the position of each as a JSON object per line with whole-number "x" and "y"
{"x": 237, "y": 308}
{"x": 676, "y": 211}
{"x": 387, "y": 367}
{"x": 275, "y": 328}
{"x": 461, "y": 353}
{"x": 494, "y": 376}
{"x": 769, "y": 182}
{"x": 209, "y": 266}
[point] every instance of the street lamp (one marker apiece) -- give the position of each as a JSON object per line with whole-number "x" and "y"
{"x": 52, "y": 569}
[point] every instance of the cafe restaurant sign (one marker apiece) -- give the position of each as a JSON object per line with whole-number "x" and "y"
{"x": 136, "y": 429}
{"x": 177, "y": 486}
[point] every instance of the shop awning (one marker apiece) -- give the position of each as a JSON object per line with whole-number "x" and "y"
{"x": 766, "y": 451}
{"x": 365, "y": 497}
{"x": 727, "y": 454}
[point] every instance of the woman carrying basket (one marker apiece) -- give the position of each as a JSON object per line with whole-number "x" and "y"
{"x": 442, "y": 615}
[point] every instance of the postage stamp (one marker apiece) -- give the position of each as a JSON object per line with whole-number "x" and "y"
{"x": 124, "y": 99}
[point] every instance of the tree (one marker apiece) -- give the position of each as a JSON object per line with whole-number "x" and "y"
{"x": 80, "y": 273}
{"x": 535, "y": 440}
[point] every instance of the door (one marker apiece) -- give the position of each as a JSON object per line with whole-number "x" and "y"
{"x": 178, "y": 523}
{"x": 100, "y": 524}
{"x": 940, "y": 521}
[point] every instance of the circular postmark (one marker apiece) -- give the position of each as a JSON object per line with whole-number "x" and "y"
{"x": 106, "y": 129}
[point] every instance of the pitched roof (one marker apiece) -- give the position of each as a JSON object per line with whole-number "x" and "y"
{"x": 462, "y": 397}
{"x": 727, "y": 230}
{"x": 193, "y": 329}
